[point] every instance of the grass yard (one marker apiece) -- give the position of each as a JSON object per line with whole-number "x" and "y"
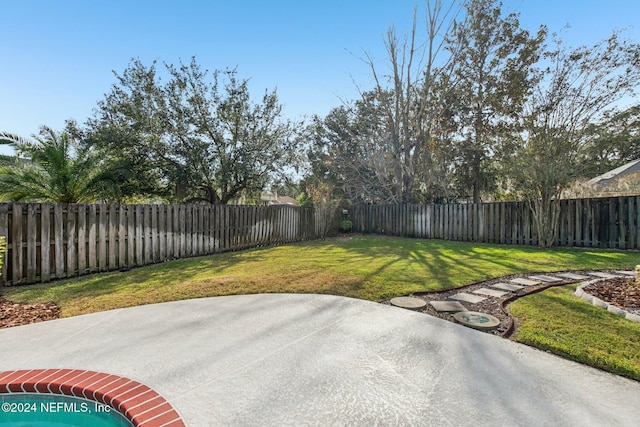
{"x": 376, "y": 268}
{"x": 372, "y": 268}
{"x": 558, "y": 322}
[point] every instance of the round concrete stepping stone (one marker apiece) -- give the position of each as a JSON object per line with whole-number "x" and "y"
{"x": 408, "y": 302}
{"x": 477, "y": 320}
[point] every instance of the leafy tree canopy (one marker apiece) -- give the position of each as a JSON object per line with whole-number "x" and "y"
{"x": 199, "y": 133}
{"x": 55, "y": 168}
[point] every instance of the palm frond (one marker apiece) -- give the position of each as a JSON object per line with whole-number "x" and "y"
{"x": 7, "y": 138}
{"x": 60, "y": 171}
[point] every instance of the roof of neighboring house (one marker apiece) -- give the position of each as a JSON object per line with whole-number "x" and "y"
{"x": 287, "y": 200}
{"x": 275, "y": 199}
{"x": 613, "y": 175}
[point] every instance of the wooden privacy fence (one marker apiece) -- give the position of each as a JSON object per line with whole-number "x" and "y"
{"x": 54, "y": 241}
{"x": 602, "y": 223}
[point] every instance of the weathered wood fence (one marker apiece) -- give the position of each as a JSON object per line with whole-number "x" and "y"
{"x": 601, "y": 223}
{"x": 54, "y": 241}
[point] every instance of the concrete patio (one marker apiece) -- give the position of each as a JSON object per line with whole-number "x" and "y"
{"x": 281, "y": 359}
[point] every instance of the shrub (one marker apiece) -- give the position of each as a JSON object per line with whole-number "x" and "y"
{"x": 346, "y": 226}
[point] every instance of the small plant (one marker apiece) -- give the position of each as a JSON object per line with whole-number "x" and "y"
{"x": 346, "y": 226}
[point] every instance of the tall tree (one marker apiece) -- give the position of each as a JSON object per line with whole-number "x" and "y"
{"x": 578, "y": 87}
{"x": 385, "y": 143}
{"x": 200, "y": 132}
{"x": 339, "y": 157}
{"x": 493, "y": 59}
{"x": 55, "y": 168}
{"x": 613, "y": 142}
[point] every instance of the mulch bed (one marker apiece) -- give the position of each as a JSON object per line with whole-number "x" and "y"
{"x": 622, "y": 293}
{"x": 15, "y": 314}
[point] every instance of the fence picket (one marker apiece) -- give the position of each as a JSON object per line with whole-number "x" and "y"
{"x": 4, "y": 232}
{"x": 112, "y": 248}
{"x": 72, "y": 265}
{"x": 45, "y": 243}
{"x": 606, "y": 222}
{"x": 32, "y": 267}
{"x": 122, "y": 237}
{"x": 93, "y": 256}
{"x": 58, "y": 221}
{"x": 82, "y": 239}
{"x": 131, "y": 239}
{"x": 153, "y": 234}
{"x": 102, "y": 238}
{"x": 54, "y": 241}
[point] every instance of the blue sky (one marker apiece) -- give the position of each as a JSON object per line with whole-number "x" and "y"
{"x": 58, "y": 56}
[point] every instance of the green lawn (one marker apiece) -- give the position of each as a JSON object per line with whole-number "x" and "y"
{"x": 557, "y": 321}
{"x": 376, "y": 268}
{"x": 371, "y": 268}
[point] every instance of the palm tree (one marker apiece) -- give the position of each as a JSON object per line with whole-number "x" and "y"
{"x": 54, "y": 168}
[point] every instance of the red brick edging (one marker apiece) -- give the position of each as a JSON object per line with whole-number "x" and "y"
{"x": 137, "y": 402}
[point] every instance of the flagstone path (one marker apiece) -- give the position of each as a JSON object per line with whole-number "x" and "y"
{"x": 490, "y": 297}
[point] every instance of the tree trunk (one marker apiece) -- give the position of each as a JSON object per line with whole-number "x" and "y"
{"x": 546, "y": 213}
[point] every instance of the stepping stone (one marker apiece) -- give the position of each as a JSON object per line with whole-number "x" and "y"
{"x": 447, "y": 306}
{"x": 463, "y": 296}
{"x": 572, "y": 276}
{"x": 627, "y": 273}
{"x": 408, "y": 302}
{"x": 545, "y": 278}
{"x": 526, "y": 282}
{"x": 603, "y": 275}
{"x": 506, "y": 287}
{"x": 477, "y": 320}
{"x": 490, "y": 292}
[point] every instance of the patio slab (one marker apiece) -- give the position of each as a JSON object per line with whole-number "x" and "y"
{"x": 285, "y": 360}
{"x": 463, "y": 296}
{"x": 507, "y": 287}
{"x": 573, "y": 276}
{"x": 603, "y": 275}
{"x": 626, "y": 273}
{"x": 447, "y": 306}
{"x": 490, "y": 292}
{"x": 546, "y": 278}
{"x": 525, "y": 282}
